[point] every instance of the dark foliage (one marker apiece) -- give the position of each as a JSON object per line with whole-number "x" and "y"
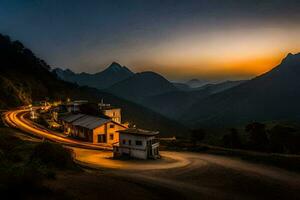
{"x": 53, "y": 155}
{"x": 24, "y": 78}
{"x": 284, "y": 139}
{"x": 197, "y": 135}
{"x": 257, "y": 136}
{"x": 232, "y": 140}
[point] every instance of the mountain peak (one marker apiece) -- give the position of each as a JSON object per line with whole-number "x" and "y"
{"x": 115, "y": 66}
{"x": 291, "y": 58}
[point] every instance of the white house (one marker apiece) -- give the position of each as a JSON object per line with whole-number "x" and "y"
{"x": 137, "y": 143}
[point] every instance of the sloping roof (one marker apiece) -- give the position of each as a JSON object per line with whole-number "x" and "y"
{"x": 87, "y": 121}
{"x": 72, "y": 117}
{"x": 137, "y": 131}
{"x": 90, "y": 122}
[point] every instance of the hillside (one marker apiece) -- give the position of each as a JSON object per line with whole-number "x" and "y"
{"x": 101, "y": 80}
{"x": 173, "y": 104}
{"x": 274, "y": 95}
{"x": 142, "y": 85}
{"x": 25, "y": 78}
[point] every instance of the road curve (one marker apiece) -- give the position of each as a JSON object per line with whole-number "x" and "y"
{"x": 192, "y": 175}
{"x": 16, "y": 118}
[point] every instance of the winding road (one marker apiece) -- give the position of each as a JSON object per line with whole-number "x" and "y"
{"x": 17, "y": 119}
{"x": 181, "y": 174}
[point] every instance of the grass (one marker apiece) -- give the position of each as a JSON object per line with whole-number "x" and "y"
{"x": 24, "y": 166}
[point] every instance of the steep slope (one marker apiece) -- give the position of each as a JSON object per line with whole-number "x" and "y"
{"x": 213, "y": 88}
{"x": 173, "y": 104}
{"x": 142, "y": 85}
{"x": 25, "y": 78}
{"x": 111, "y": 75}
{"x": 271, "y": 96}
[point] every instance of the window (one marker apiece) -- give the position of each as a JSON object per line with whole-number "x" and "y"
{"x": 124, "y": 141}
{"x": 111, "y": 136}
{"x": 111, "y": 126}
{"x": 129, "y": 142}
{"x": 138, "y": 142}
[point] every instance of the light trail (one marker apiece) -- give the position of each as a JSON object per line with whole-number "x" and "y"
{"x": 17, "y": 119}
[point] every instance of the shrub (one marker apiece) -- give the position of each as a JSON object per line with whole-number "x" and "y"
{"x": 53, "y": 155}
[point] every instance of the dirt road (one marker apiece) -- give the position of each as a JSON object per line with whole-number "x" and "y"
{"x": 199, "y": 175}
{"x": 179, "y": 175}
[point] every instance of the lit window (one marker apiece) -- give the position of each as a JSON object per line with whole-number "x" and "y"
{"x": 138, "y": 143}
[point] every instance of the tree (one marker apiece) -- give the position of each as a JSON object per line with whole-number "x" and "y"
{"x": 197, "y": 135}
{"x": 284, "y": 139}
{"x": 232, "y": 139}
{"x": 257, "y": 136}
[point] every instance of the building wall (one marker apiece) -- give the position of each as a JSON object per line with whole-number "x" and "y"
{"x": 131, "y": 148}
{"x": 110, "y": 130}
{"x": 141, "y": 154}
{"x": 114, "y": 114}
{"x": 133, "y": 139}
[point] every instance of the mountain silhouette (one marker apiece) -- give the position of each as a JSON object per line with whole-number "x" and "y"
{"x": 25, "y": 78}
{"x": 101, "y": 80}
{"x": 142, "y": 85}
{"x": 274, "y": 95}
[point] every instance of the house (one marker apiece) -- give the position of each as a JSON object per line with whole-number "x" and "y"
{"x": 110, "y": 111}
{"x": 91, "y": 128}
{"x": 137, "y": 143}
{"x": 74, "y": 106}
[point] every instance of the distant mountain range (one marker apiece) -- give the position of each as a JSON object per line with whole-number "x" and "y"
{"x": 271, "y": 96}
{"x": 25, "y": 78}
{"x": 195, "y": 83}
{"x": 101, "y": 80}
{"x": 274, "y": 95}
{"x": 173, "y": 104}
{"x": 148, "y": 88}
{"x": 142, "y": 85}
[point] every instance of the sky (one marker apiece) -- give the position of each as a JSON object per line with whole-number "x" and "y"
{"x": 205, "y": 39}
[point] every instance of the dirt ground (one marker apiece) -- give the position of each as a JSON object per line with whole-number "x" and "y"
{"x": 203, "y": 177}
{"x": 178, "y": 175}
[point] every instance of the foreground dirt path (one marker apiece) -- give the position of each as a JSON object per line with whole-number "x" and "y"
{"x": 178, "y": 175}
{"x": 199, "y": 175}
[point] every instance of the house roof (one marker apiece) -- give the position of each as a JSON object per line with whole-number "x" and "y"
{"x": 72, "y": 117}
{"x": 137, "y": 131}
{"x": 87, "y": 121}
{"x": 90, "y": 122}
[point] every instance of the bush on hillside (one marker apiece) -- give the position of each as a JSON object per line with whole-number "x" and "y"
{"x": 53, "y": 155}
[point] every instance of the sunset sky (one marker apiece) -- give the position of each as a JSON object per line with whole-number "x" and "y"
{"x": 210, "y": 39}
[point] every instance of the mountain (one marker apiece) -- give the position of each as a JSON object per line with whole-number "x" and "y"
{"x": 173, "y": 104}
{"x": 111, "y": 75}
{"x": 194, "y": 83}
{"x": 142, "y": 85}
{"x": 213, "y": 88}
{"x": 25, "y": 78}
{"x": 182, "y": 86}
{"x": 274, "y": 95}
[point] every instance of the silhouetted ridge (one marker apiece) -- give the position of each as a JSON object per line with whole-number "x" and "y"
{"x": 24, "y": 78}
{"x": 112, "y": 74}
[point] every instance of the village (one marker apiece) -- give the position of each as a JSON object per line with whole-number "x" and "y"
{"x": 99, "y": 124}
